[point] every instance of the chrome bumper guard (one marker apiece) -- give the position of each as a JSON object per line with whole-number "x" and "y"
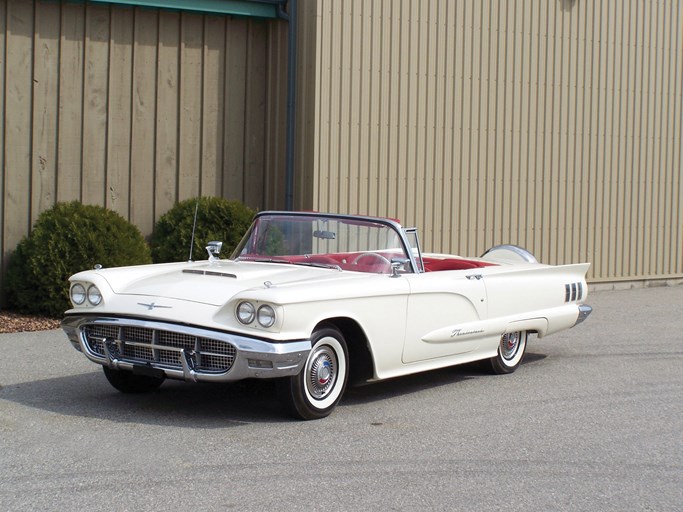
{"x": 249, "y": 357}
{"x": 584, "y": 311}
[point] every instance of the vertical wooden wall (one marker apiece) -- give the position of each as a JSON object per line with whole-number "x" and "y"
{"x": 135, "y": 109}
{"x": 552, "y": 124}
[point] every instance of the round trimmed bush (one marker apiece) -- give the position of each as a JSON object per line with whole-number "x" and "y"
{"x": 217, "y": 219}
{"x": 66, "y": 239}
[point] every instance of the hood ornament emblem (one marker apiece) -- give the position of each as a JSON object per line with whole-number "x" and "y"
{"x": 153, "y": 305}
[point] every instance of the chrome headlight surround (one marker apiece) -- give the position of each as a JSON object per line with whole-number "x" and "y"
{"x": 94, "y": 295}
{"x": 266, "y": 316}
{"x": 245, "y": 312}
{"x": 252, "y": 314}
{"x": 77, "y": 294}
{"x": 85, "y": 294}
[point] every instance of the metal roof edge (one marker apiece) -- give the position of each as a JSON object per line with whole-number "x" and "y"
{"x": 258, "y": 9}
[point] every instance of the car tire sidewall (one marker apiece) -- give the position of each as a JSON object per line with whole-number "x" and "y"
{"x": 501, "y": 365}
{"x": 128, "y": 382}
{"x": 300, "y": 401}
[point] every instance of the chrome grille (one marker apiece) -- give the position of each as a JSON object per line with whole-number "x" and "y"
{"x": 168, "y": 357}
{"x": 139, "y": 334}
{"x": 136, "y": 352}
{"x": 212, "y": 361}
{"x": 216, "y": 347}
{"x": 177, "y": 340}
{"x": 160, "y": 347}
{"x": 96, "y": 334}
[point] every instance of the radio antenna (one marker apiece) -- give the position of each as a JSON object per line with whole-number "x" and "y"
{"x": 194, "y": 227}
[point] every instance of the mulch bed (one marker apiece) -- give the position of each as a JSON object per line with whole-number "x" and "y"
{"x": 14, "y": 322}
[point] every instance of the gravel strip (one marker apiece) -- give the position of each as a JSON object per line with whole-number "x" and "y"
{"x": 15, "y": 322}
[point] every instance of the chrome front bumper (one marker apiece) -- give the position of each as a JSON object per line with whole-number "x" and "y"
{"x": 178, "y": 350}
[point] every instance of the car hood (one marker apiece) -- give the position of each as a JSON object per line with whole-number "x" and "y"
{"x": 213, "y": 283}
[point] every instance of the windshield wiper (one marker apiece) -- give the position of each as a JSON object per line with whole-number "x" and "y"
{"x": 318, "y": 265}
{"x": 263, "y": 260}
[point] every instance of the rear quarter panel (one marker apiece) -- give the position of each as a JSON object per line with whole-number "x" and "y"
{"x": 536, "y": 291}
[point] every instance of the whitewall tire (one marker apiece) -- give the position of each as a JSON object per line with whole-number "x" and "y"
{"x": 510, "y": 352}
{"x": 317, "y": 389}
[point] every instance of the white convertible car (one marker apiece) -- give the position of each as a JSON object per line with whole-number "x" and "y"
{"x": 317, "y": 301}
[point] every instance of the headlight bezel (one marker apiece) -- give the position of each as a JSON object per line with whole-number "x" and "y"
{"x": 257, "y": 314}
{"x": 94, "y": 295}
{"x": 85, "y": 294}
{"x": 268, "y": 312}
{"x": 78, "y": 290}
{"x": 247, "y": 307}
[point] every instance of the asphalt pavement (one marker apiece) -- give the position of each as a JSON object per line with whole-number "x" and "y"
{"x": 592, "y": 420}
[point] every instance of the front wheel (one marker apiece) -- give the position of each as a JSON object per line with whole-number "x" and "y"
{"x": 510, "y": 352}
{"x": 129, "y": 382}
{"x": 316, "y": 391}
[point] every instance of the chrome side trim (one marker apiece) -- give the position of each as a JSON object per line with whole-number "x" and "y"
{"x": 573, "y": 291}
{"x": 584, "y": 311}
{"x": 254, "y": 358}
{"x": 208, "y": 273}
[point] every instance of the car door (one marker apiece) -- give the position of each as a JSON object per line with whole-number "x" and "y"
{"x": 446, "y": 313}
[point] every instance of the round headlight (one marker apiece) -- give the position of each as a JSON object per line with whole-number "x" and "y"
{"x": 266, "y": 316}
{"x": 78, "y": 294}
{"x": 246, "y": 312}
{"x": 94, "y": 295}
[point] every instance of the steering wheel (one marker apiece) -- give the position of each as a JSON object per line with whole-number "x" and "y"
{"x": 370, "y": 254}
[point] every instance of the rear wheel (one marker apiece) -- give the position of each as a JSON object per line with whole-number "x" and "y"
{"x": 510, "y": 352}
{"x": 129, "y": 382}
{"x": 317, "y": 389}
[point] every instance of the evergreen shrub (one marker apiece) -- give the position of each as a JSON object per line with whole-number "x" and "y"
{"x": 66, "y": 239}
{"x": 217, "y": 219}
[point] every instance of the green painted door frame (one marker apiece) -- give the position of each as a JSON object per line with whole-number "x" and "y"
{"x": 259, "y": 9}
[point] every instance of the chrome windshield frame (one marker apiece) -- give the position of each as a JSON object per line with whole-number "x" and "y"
{"x": 419, "y": 262}
{"x": 391, "y": 223}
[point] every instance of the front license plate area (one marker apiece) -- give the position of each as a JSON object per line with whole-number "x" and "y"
{"x": 148, "y": 371}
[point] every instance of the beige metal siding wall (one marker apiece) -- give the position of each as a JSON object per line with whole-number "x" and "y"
{"x": 307, "y": 102}
{"x": 551, "y": 124}
{"x": 135, "y": 109}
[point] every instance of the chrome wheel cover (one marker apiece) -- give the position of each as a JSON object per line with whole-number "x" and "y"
{"x": 321, "y": 372}
{"x": 509, "y": 345}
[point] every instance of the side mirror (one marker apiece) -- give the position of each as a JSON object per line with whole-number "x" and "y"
{"x": 398, "y": 264}
{"x": 214, "y": 249}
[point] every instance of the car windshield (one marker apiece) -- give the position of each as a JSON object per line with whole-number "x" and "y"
{"x": 349, "y": 243}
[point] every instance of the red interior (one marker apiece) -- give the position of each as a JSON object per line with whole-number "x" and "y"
{"x": 369, "y": 264}
{"x": 436, "y": 264}
{"x": 375, "y": 265}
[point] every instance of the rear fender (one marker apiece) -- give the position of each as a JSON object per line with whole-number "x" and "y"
{"x": 537, "y": 325}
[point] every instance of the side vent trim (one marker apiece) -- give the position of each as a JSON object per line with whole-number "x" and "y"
{"x": 573, "y": 292}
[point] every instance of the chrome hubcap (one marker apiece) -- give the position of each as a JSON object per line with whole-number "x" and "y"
{"x": 322, "y": 372}
{"x": 509, "y": 343}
